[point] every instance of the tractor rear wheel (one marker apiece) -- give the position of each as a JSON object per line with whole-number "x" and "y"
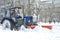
{"x": 6, "y": 24}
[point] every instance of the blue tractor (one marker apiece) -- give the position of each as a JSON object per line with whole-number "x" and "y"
{"x": 14, "y": 18}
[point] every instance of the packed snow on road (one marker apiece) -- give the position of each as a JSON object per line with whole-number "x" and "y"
{"x": 38, "y": 33}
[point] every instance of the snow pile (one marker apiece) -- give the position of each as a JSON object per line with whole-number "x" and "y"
{"x": 15, "y": 35}
{"x": 38, "y": 33}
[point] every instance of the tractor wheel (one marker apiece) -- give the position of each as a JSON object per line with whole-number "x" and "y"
{"x": 6, "y": 24}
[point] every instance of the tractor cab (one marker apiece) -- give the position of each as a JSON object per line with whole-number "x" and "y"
{"x": 13, "y": 12}
{"x": 16, "y": 12}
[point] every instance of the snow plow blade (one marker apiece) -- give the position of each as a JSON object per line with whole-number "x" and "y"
{"x": 47, "y": 26}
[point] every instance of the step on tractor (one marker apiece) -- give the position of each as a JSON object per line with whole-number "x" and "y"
{"x": 14, "y": 18}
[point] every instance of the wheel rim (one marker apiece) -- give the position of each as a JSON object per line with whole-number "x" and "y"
{"x": 6, "y": 24}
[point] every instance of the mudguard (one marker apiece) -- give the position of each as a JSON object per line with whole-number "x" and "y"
{"x": 7, "y": 19}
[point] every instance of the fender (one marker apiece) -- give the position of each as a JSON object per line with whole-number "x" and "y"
{"x": 6, "y": 18}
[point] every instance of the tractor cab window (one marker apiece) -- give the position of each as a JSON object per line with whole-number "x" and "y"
{"x": 19, "y": 12}
{"x": 12, "y": 12}
{"x": 7, "y": 14}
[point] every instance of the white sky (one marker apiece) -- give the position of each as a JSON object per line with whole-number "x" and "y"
{"x": 43, "y": 0}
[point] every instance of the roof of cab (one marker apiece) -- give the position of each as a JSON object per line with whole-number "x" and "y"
{"x": 15, "y": 7}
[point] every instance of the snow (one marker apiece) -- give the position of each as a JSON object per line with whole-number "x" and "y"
{"x": 38, "y": 33}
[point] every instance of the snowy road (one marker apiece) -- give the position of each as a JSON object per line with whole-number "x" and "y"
{"x": 38, "y": 33}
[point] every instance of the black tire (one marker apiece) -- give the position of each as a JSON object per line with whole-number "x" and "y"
{"x": 7, "y": 24}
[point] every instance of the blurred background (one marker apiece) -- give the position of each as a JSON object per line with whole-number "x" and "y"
{"x": 42, "y": 10}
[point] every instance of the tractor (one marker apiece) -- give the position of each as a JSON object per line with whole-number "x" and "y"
{"x": 14, "y": 18}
